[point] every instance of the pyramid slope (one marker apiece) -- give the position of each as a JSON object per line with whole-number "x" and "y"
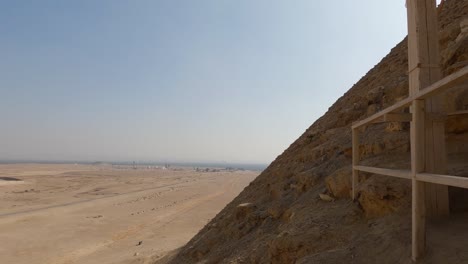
{"x": 280, "y": 217}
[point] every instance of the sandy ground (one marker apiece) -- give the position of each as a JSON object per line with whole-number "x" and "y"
{"x": 103, "y": 214}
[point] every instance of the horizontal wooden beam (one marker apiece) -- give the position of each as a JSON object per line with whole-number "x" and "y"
{"x": 355, "y": 177}
{"x": 398, "y": 117}
{"x": 449, "y": 180}
{"x": 438, "y": 87}
{"x": 463, "y": 112}
{"x": 394, "y": 117}
{"x": 405, "y": 174}
{"x": 380, "y": 119}
{"x": 449, "y": 81}
{"x": 403, "y": 103}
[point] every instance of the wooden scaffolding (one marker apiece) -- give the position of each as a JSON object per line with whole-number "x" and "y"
{"x": 428, "y": 156}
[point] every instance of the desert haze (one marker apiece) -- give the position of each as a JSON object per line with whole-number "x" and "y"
{"x": 106, "y": 214}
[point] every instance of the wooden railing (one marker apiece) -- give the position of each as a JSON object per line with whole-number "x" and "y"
{"x": 388, "y": 115}
{"x": 417, "y": 174}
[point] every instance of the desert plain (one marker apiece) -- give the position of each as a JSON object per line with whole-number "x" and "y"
{"x": 69, "y": 213}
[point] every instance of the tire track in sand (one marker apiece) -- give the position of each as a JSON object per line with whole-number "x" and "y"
{"x": 134, "y": 230}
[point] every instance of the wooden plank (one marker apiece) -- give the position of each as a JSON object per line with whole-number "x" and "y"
{"x": 405, "y": 174}
{"x": 398, "y": 117}
{"x": 422, "y": 56}
{"x": 455, "y": 181}
{"x": 393, "y": 117}
{"x": 437, "y": 200}
{"x": 417, "y": 137}
{"x": 417, "y": 127}
{"x": 437, "y": 196}
{"x": 417, "y": 33}
{"x": 413, "y": 60}
{"x": 355, "y": 176}
{"x": 418, "y": 188}
{"x": 462, "y": 112}
{"x": 438, "y": 87}
{"x": 442, "y": 85}
{"x": 378, "y": 120}
{"x": 401, "y": 104}
{"x": 418, "y": 191}
{"x": 418, "y": 219}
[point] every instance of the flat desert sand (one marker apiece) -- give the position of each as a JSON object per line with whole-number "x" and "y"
{"x": 106, "y": 214}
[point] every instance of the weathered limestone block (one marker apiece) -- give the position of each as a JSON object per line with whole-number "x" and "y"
{"x": 375, "y": 95}
{"x": 244, "y": 209}
{"x": 394, "y": 126}
{"x": 372, "y": 109}
{"x": 380, "y": 195}
{"x": 339, "y": 183}
{"x": 456, "y": 53}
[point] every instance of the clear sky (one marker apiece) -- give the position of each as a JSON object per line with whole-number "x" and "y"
{"x": 179, "y": 80}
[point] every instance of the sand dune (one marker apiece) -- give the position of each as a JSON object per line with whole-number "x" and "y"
{"x": 100, "y": 214}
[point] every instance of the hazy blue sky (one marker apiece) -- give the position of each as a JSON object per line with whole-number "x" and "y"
{"x": 218, "y": 80}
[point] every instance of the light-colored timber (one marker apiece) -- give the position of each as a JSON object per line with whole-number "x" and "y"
{"x": 393, "y": 117}
{"x": 436, "y": 88}
{"x": 355, "y": 176}
{"x": 426, "y": 135}
{"x": 418, "y": 189}
{"x": 401, "y": 104}
{"x": 455, "y": 181}
{"x": 405, "y": 174}
{"x": 398, "y": 117}
{"x": 462, "y": 112}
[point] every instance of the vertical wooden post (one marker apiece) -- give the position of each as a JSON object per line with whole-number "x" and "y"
{"x": 418, "y": 190}
{"x": 424, "y": 70}
{"x": 437, "y": 198}
{"x": 355, "y": 146}
{"x": 427, "y": 136}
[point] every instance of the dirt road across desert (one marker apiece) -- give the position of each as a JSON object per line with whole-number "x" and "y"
{"x": 63, "y": 214}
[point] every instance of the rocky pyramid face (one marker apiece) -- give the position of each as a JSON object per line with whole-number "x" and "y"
{"x": 299, "y": 211}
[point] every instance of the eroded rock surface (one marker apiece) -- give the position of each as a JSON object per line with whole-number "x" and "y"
{"x": 280, "y": 218}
